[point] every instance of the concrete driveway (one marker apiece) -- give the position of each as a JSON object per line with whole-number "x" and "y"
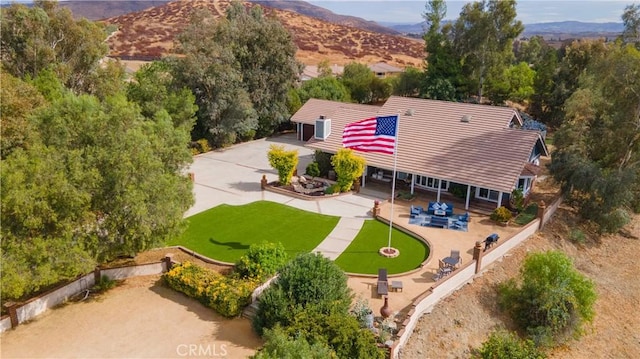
{"x": 232, "y": 176}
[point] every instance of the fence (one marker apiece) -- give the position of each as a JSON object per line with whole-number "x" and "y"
{"x": 425, "y": 302}
{"x": 20, "y": 313}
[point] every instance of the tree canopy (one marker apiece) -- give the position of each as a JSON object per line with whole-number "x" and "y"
{"x": 240, "y": 68}
{"x": 597, "y": 160}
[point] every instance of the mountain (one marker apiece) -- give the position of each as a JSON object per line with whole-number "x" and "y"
{"x": 98, "y": 10}
{"x": 305, "y": 8}
{"x": 574, "y": 29}
{"x": 149, "y": 34}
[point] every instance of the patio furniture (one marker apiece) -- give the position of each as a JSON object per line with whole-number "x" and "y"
{"x": 383, "y": 284}
{"x": 455, "y": 254}
{"x": 464, "y": 217}
{"x": 440, "y": 209}
{"x": 451, "y": 262}
{"x": 415, "y": 211}
{"x": 396, "y": 285}
{"x": 436, "y": 221}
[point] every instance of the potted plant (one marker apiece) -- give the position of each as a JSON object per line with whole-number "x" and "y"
{"x": 501, "y": 215}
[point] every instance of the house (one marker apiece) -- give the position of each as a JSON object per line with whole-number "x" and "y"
{"x": 383, "y": 70}
{"x": 479, "y": 149}
{"x": 380, "y": 69}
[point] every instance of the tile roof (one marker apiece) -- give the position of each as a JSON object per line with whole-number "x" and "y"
{"x": 314, "y": 108}
{"x": 384, "y": 68}
{"x": 433, "y": 141}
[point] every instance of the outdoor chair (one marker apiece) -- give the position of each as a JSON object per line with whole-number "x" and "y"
{"x": 383, "y": 282}
{"x": 464, "y": 217}
{"x": 415, "y": 211}
{"x": 455, "y": 254}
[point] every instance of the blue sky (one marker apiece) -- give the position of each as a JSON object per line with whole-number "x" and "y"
{"x": 529, "y": 11}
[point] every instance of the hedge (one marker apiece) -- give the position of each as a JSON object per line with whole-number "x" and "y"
{"x": 226, "y": 295}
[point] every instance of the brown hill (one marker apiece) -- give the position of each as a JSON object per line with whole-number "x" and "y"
{"x": 150, "y": 33}
{"x": 98, "y": 10}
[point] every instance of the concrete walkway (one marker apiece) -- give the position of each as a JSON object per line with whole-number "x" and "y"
{"x": 339, "y": 239}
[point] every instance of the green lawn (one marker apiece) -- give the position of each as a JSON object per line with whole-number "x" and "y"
{"x": 362, "y": 254}
{"x": 225, "y": 232}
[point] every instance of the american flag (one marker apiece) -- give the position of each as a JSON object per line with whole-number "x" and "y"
{"x": 377, "y": 134}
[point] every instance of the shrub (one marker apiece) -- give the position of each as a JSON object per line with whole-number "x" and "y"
{"x": 279, "y": 345}
{"x": 501, "y": 215}
{"x": 308, "y": 281}
{"x": 552, "y": 300}
{"x": 203, "y": 145}
{"x": 348, "y": 167}
{"x": 577, "y": 236}
{"x": 313, "y": 170}
{"x": 334, "y": 188}
{"x": 528, "y": 215}
{"x": 225, "y": 295}
{"x": 104, "y": 284}
{"x": 458, "y": 190}
{"x": 284, "y": 162}
{"x": 506, "y": 345}
{"x": 261, "y": 261}
{"x": 362, "y": 312}
{"x": 323, "y": 160}
{"x": 517, "y": 199}
{"x": 340, "y": 331}
{"x": 406, "y": 195}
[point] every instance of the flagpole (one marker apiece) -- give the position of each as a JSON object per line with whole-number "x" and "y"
{"x": 393, "y": 181}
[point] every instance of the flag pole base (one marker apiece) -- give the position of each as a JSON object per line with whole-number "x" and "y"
{"x": 389, "y": 252}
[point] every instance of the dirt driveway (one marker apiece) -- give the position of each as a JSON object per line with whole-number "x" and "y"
{"x": 139, "y": 319}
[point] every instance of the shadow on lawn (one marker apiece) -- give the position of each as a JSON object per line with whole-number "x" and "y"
{"x": 231, "y": 245}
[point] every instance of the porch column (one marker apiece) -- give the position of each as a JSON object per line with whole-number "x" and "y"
{"x": 299, "y": 125}
{"x": 413, "y": 180}
{"x": 499, "y": 199}
{"x": 438, "y": 198}
{"x": 364, "y": 176}
{"x": 466, "y": 203}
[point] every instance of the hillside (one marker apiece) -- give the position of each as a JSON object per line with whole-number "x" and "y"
{"x": 98, "y": 10}
{"x": 149, "y": 34}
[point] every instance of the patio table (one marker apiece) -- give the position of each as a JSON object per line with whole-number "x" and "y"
{"x": 452, "y": 262}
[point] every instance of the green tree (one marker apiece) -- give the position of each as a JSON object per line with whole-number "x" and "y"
{"x": 18, "y": 101}
{"x": 285, "y": 162}
{"x": 521, "y": 78}
{"x": 358, "y": 79}
{"x": 348, "y": 167}
{"x": 209, "y": 69}
{"x": 483, "y": 38}
{"x": 631, "y": 21}
{"x": 265, "y": 55}
{"x": 408, "y": 83}
{"x": 308, "y": 283}
{"x": 324, "y": 88}
{"x": 506, "y": 345}
{"x": 597, "y": 161}
{"x": 542, "y": 105}
{"x": 47, "y": 36}
{"x": 443, "y": 72}
{"x": 279, "y": 345}
{"x": 45, "y": 215}
{"x": 154, "y": 89}
{"x": 551, "y": 300}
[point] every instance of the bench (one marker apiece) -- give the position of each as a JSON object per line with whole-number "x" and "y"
{"x": 436, "y": 221}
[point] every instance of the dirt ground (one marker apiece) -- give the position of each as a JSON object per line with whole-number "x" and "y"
{"x": 141, "y": 318}
{"x": 460, "y": 323}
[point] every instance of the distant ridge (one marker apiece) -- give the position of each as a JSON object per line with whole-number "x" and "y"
{"x": 567, "y": 28}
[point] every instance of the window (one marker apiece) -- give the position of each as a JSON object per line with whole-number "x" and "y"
{"x": 431, "y": 183}
{"x": 524, "y": 184}
{"x": 487, "y": 194}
